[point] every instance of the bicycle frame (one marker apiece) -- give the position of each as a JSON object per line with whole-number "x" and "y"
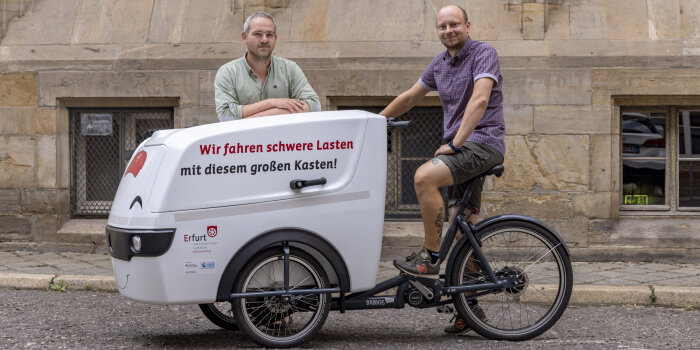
{"x": 431, "y": 289}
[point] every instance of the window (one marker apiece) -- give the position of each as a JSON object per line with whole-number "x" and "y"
{"x": 660, "y": 158}
{"x": 102, "y": 142}
{"x": 407, "y": 149}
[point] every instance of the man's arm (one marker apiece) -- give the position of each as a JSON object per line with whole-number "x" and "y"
{"x": 302, "y": 90}
{"x": 472, "y": 114}
{"x": 405, "y": 101}
{"x": 227, "y": 106}
{"x": 273, "y": 106}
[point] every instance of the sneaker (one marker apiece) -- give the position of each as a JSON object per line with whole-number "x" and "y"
{"x": 418, "y": 264}
{"x": 459, "y": 326}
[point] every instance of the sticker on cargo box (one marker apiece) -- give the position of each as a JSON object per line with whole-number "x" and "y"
{"x": 200, "y": 266}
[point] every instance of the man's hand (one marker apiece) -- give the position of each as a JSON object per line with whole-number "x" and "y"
{"x": 444, "y": 149}
{"x": 290, "y": 104}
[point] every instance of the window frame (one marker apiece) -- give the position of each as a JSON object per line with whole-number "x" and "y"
{"x": 672, "y": 106}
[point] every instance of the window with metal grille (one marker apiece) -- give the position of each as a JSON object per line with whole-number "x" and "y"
{"x": 408, "y": 148}
{"x": 102, "y": 142}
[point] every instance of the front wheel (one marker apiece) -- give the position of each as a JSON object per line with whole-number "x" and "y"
{"x": 221, "y": 314}
{"x": 281, "y": 321}
{"x": 539, "y": 263}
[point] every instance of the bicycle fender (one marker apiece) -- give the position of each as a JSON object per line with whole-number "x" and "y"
{"x": 494, "y": 220}
{"x": 259, "y": 243}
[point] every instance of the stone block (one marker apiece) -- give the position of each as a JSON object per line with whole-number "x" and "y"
{"x": 206, "y": 88}
{"x": 166, "y": 17}
{"x": 25, "y": 280}
{"x": 517, "y": 48}
{"x": 198, "y": 115}
{"x": 305, "y": 25}
{"x": 664, "y": 19}
{"x": 610, "y": 295}
{"x": 38, "y": 201}
{"x": 44, "y": 228}
{"x": 689, "y": 19}
{"x": 601, "y": 163}
{"x": 362, "y": 83}
{"x": 691, "y": 53}
{"x": 88, "y": 282}
{"x": 632, "y": 81}
{"x": 674, "y": 296}
{"x": 54, "y": 57}
{"x": 492, "y": 20}
{"x": 215, "y": 20}
{"x": 533, "y": 21}
{"x": 547, "y": 86}
{"x": 570, "y": 120}
{"x": 9, "y": 121}
{"x": 15, "y": 224}
{"x": 557, "y": 25}
{"x": 9, "y": 201}
{"x": 46, "y": 159}
{"x": 547, "y": 162}
{"x": 380, "y": 20}
{"x": 18, "y": 90}
{"x": 626, "y": 19}
{"x": 622, "y": 51}
{"x": 593, "y": 205}
{"x": 519, "y": 119}
{"x": 40, "y": 121}
{"x": 615, "y": 61}
{"x": 17, "y": 161}
{"x": 103, "y": 22}
{"x": 182, "y": 84}
{"x": 541, "y": 205}
{"x": 574, "y": 231}
{"x": 50, "y": 22}
{"x": 587, "y": 19}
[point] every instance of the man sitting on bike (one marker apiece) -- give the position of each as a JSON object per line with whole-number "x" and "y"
{"x": 468, "y": 79}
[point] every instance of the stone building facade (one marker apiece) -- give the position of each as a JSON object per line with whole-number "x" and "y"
{"x": 574, "y": 72}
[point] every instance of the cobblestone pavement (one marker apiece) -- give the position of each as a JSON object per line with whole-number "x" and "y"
{"x": 675, "y": 284}
{"x": 585, "y": 273}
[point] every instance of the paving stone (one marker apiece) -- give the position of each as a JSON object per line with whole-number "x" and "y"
{"x": 680, "y": 282}
{"x": 689, "y": 270}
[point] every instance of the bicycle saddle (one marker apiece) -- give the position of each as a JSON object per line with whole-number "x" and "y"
{"x": 497, "y": 170}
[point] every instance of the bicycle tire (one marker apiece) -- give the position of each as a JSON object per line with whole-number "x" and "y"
{"x": 543, "y": 267}
{"x": 276, "y": 321}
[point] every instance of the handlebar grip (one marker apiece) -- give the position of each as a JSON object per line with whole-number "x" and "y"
{"x": 392, "y": 123}
{"x": 299, "y": 183}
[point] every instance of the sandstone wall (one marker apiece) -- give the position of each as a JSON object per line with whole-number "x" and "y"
{"x": 564, "y": 63}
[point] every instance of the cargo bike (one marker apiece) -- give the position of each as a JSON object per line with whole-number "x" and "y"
{"x": 271, "y": 223}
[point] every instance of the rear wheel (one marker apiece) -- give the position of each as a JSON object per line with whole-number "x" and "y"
{"x": 536, "y": 260}
{"x": 221, "y": 314}
{"x": 279, "y": 321}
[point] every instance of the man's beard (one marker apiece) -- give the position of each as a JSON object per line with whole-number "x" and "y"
{"x": 259, "y": 57}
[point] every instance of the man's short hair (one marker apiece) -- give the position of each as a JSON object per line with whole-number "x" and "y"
{"x": 246, "y": 25}
{"x": 464, "y": 12}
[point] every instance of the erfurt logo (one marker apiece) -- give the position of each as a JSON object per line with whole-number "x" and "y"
{"x": 195, "y": 238}
{"x": 211, "y": 231}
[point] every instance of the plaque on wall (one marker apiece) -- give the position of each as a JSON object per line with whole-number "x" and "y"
{"x": 93, "y": 124}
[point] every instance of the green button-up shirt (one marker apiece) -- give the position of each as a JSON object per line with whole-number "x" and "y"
{"x": 236, "y": 85}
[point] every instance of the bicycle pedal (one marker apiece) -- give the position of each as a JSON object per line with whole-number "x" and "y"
{"x": 445, "y": 309}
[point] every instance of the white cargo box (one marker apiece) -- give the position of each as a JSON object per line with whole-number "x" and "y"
{"x": 203, "y": 199}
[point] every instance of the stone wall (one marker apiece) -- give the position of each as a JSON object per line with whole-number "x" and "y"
{"x": 564, "y": 63}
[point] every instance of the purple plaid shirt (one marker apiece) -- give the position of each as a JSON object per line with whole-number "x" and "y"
{"x": 454, "y": 80}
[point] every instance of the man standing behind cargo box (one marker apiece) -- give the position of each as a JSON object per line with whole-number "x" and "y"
{"x": 468, "y": 79}
{"x": 259, "y": 84}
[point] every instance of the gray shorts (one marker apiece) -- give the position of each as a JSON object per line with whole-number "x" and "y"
{"x": 474, "y": 159}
